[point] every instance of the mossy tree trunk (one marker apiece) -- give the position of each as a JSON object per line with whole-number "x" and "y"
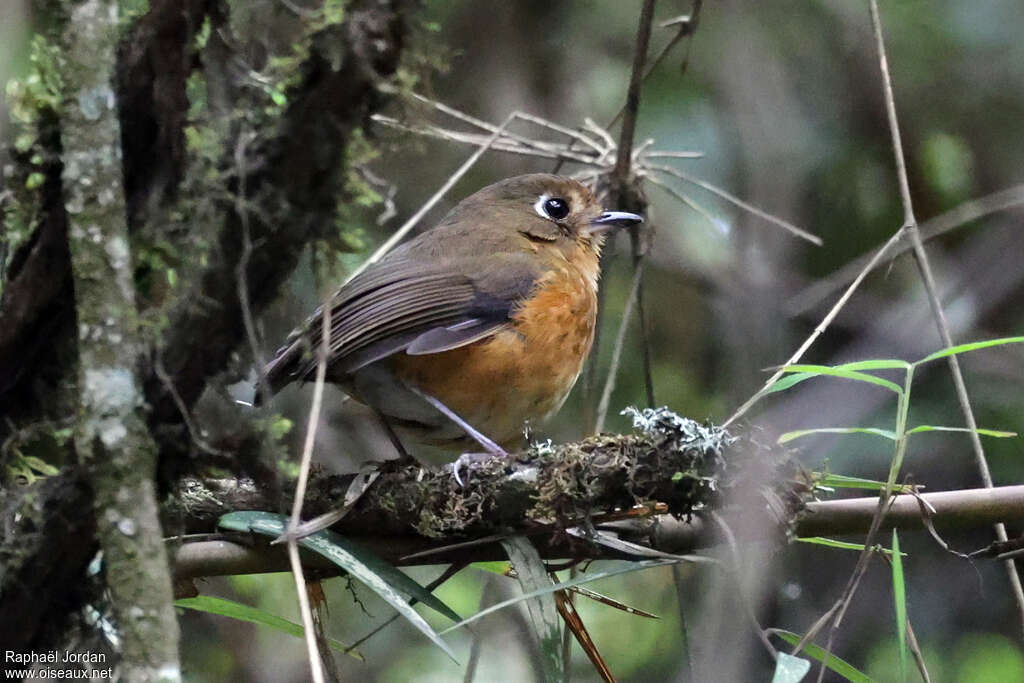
{"x": 154, "y": 198}
{"x": 111, "y": 436}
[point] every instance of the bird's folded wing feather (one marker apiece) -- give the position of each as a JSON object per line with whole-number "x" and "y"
{"x": 413, "y": 305}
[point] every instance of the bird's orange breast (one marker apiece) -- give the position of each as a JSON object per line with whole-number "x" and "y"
{"x": 526, "y": 370}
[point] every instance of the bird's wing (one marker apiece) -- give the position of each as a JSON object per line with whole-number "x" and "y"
{"x": 408, "y": 303}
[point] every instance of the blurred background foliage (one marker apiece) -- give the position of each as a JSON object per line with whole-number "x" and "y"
{"x": 784, "y": 100}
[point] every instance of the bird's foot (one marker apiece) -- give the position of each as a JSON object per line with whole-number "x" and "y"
{"x": 469, "y": 460}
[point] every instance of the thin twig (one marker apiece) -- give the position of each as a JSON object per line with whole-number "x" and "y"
{"x": 622, "y": 175}
{"x": 685, "y": 200}
{"x": 539, "y": 149}
{"x": 736, "y": 201}
{"x": 567, "y": 633}
{"x": 620, "y": 337}
{"x": 450, "y": 571}
{"x": 161, "y": 373}
{"x": 316, "y": 666}
{"x": 448, "y": 184}
{"x": 822, "y": 326}
{"x": 490, "y": 127}
{"x": 488, "y": 597}
{"x": 643, "y": 37}
{"x": 688, "y": 673}
{"x": 960, "y": 216}
{"x": 241, "y": 269}
{"x": 620, "y": 180}
{"x": 741, "y": 592}
{"x": 910, "y": 224}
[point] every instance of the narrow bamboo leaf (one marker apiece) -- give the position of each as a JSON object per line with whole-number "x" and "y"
{"x": 984, "y": 432}
{"x": 611, "y": 602}
{"x": 493, "y": 567}
{"x": 790, "y": 669}
{"x": 386, "y": 581}
{"x": 888, "y": 364}
{"x": 899, "y": 592}
{"x": 841, "y": 481}
{"x": 631, "y": 567}
{"x": 843, "y": 545}
{"x": 788, "y": 381}
{"x": 240, "y": 612}
{"x": 615, "y": 543}
{"x": 829, "y": 371}
{"x": 973, "y": 346}
{"x": 533, "y": 576}
{"x": 839, "y": 666}
{"x": 398, "y": 579}
{"x": 798, "y": 433}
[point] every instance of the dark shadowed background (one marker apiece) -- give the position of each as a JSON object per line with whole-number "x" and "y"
{"x": 785, "y": 102}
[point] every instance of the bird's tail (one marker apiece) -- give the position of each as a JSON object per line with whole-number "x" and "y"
{"x": 280, "y": 371}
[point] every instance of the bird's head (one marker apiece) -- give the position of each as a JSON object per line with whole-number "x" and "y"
{"x": 545, "y": 209}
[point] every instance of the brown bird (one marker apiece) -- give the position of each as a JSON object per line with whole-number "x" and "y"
{"x": 473, "y": 327}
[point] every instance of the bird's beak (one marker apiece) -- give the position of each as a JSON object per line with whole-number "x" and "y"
{"x": 609, "y": 220}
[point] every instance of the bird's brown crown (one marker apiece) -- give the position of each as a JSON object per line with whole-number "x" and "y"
{"x": 544, "y": 208}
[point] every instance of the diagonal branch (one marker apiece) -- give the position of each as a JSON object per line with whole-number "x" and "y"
{"x": 910, "y": 225}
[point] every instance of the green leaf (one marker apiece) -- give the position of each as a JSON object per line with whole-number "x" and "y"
{"x": 983, "y": 432}
{"x": 798, "y": 433}
{"x": 899, "y": 592}
{"x": 610, "y": 540}
{"x": 974, "y": 346}
{"x": 843, "y": 545}
{"x": 533, "y": 576}
{"x": 841, "y": 481}
{"x": 240, "y": 612}
{"x": 839, "y": 666}
{"x": 788, "y": 381}
{"x": 888, "y": 364}
{"x": 389, "y": 583}
{"x": 40, "y": 466}
{"x": 828, "y": 371}
{"x": 630, "y": 567}
{"x": 790, "y": 669}
{"x": 493, "y": 567}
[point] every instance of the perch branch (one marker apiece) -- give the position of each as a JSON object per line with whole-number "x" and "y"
{"x": 968, "y": 508}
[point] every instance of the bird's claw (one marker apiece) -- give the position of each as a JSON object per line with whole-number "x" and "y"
{"x": 468, "y": 460}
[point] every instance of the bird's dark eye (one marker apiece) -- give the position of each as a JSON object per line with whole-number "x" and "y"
{"x": 556, "y": 208}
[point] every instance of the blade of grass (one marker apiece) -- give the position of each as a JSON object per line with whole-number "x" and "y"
{"x": 844, "y": 374}
{"x": 837, "y": 665}
{"x": 984, "y": 432}
{"x": 841, "y": 481}
{"x": 533, "y": 577}
{"x": 843, "y": 545}
{"x": 240, "y": 612}
{"x": 799, "y": 433}
{"x": 389, "y": 583}
{"x": 899, "y": 591}
{"x": 632, "y": 567}
{"x": 973, "y": 346}
{"x": 880, "y": 364}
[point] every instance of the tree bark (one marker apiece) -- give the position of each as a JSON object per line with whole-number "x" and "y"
{"x": 111, "y": 435}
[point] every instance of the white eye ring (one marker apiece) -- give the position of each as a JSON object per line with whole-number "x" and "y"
{"x": 538, "y": 206}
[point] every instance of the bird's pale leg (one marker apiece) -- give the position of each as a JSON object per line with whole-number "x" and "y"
{"x": 403, "y": 455}
{"x": 466, "y": 459}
